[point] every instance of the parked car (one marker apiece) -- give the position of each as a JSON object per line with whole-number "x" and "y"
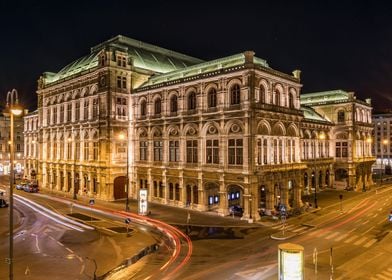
{"x": 31, "y": 188}
{"x": 3, "y": 203}
{"x": 236, "y": 210}
{"x": 20, "y": 186}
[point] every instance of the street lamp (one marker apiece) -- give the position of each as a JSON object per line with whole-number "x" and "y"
{"x": 12, "y": 109}
{"x": 384, "y": 143}
{"x": 123, "y": 137}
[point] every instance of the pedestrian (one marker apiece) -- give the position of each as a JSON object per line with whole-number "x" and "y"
{"x": 188, "y": 218}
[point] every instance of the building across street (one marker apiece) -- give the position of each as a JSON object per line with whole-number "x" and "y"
{"x": 206, "y": 135}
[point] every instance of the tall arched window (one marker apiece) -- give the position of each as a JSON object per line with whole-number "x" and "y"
{"x": 192, "y": 101}
{"x": 235, "y": 95}
{"x": 157, "y": 106}
{"x": 212, "y": 98}
{"x": 262, "y": 94}
{"x": 143, "y": 108}
{"x": 291, "y": 100}
{"x": 173, "y": 104}
{"x": 277, "y": 97}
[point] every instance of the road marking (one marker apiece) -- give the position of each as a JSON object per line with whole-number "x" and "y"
{"x": 360, "y": 241}
{"x": 368, "y": 230}
{"x": 381, "y": 222}
{"x": 379, "y": 209}
{"x": 341, "y": 237}
{"x": 370, "y": 243}
{"x": 365, "y": 222}
{"x": 382, "y": 277}
{"x": 69, "y": 250}
{"x": 332, "y": 235}
{"x": 299, "y": 229}
{"x": 351, "y": 239}
{"x": 61, "y": 244}
{"x": 375, "y": 215}
{"x": 314, "y": 232}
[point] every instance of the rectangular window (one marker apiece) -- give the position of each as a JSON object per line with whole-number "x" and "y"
{"x": 55, "y": 150}
{"x": 69, "y": 112}
{"x": 235, "y": 149}
{"x": 95, "y": 108}
{"x": 259, "y": 152}
{"x": 158, "y": 150}
{"x": 212, "y": 151}
{"x": 174, "y": 151}
{"x": 191, "y": 151}
{"x": 69, "y": 150}
{"x": 85, "y": 110}
{"x": 54, "y": 115}
{"x": 61, "y": 113}
{"x": 143, "y": 150}
{"x": 77, "y": 152}
{"x": 95, "y": 150}
{"x": 85, "y": 151}
{"x": 77, "y": 111}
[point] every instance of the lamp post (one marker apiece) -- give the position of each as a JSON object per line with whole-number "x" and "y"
{"x": 12, "y": 108}
{"x": 123, "y": 137}
{"x": 384, "y": 143}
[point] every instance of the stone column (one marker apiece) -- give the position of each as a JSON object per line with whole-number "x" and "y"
{"x": 298, "y": 195}
{"x": 269, "y": 199}
{"x": 223, "y": 205}
{"x": 284, "y": 192}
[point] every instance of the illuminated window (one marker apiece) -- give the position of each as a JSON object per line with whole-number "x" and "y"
{"x": 235, "y": 149}
{"x": 212, "y": 151}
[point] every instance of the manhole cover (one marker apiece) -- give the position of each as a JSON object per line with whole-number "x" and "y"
{"x": 82, "y": 217}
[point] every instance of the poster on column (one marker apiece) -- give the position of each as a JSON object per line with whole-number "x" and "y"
{"x": 143, "y": 207}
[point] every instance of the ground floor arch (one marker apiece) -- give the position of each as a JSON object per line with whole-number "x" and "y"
{"x": 119, "y": 187}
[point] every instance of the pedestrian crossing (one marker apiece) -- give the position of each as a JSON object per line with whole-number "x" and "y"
{"x": 334, "y": 236}
{"x": 385, "y": 275}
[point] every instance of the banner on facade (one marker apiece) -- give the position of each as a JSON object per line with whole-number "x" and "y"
{"x": 143, "y": 206}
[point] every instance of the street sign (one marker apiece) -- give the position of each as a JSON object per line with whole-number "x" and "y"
{"x": 91, "y": 202}
{"x": 390, "y": 217}
{"x": 127, "y": 220}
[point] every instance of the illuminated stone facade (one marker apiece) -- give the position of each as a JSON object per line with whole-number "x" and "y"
{"x": 5, "y": 148}
{"x": 203, "y": 135}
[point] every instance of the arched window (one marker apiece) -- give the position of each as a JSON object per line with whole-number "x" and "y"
{"x": 211, "y": 98}
{"x": 173, "y": 104}
{"x": 192, "y": 101}
{"x": 291, "y": 100}
{"x": 143, "y": 108}
{"x": 157, "y": 106}
{"x": 235, "y": 95}
{"x": 262, "y": 94}
{"x": 277, "y": 97}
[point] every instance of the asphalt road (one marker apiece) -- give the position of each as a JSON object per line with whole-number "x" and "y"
{"x": 355, "y": 227}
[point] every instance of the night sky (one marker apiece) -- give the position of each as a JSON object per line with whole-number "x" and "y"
{"x": 337, "y": 45}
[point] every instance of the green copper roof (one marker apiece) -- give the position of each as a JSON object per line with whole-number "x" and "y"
{"x": 324, "y": 97}
{"x": 310, "y": 114}
{"x": 205, "y": 67}
{"x": 143, "y": 55}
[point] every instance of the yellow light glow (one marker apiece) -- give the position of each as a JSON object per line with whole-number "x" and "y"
{"x": 16, "y": 110}
{"x": 321, "y": 136}
{"x": 369, "y": 140}
{"x": 385, "y": 141}
{"x": 121, "y": 136}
